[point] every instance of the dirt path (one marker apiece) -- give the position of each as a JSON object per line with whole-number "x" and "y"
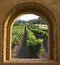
{"x": 20, "y": 50}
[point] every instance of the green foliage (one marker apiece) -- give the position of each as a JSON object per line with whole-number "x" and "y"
{"x": 33, "y": 44}
{"x": 17, "y": 32}
{"x": 42, "y": 32}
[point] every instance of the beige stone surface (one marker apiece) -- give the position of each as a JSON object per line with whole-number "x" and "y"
{"x": 7, "y": 5}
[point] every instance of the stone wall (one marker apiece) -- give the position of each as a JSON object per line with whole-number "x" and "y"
{"x": 7, "y": 10}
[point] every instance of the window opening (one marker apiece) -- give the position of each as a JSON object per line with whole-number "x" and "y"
{"x": 29, "y": 38}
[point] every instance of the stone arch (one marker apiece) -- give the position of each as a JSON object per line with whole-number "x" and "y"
{"x": 34, "y": 8}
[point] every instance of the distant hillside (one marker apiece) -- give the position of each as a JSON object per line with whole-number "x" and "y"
{"x": 19, "y": 22}
{"x": 37, "y": 21}
{"x": 34, "y": 21}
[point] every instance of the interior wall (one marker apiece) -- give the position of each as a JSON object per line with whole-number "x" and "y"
{"x": 7, "y": 5}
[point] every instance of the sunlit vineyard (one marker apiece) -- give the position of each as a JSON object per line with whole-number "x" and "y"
{"x": 34, "y": 39}
{"x": 17, "y": 32}
{"x": 40, "y": 33}
{"x": 33, "y": 44}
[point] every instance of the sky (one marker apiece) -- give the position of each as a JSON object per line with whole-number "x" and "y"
{"x": 27, "y": 17}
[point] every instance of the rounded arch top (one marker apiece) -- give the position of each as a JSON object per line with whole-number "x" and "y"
{"x": 33, "y": 8}
{"x": 30, "y": 7}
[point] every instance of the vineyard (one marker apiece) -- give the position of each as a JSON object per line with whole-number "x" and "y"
{"x": 35, "y": 39}
{"x": 17, "y": 33}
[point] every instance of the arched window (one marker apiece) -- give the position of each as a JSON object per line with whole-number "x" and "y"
{"x": 29, "y": 38}
{"x": 37, "y": 9}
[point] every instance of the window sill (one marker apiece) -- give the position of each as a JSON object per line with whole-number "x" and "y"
{"x": 29, "y": 61}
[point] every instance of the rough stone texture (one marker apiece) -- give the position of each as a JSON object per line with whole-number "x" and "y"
{"x": 5, "y": 8}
